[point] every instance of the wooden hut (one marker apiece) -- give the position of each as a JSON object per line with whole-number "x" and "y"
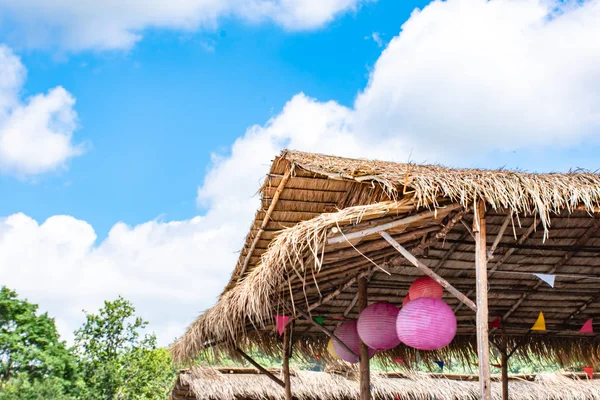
{"x": 243, "y": 384}
{"x": 334, "y": 234}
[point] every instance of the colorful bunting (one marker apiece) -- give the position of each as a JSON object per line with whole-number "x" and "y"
{"x": 398, "y": 360}
{"x": 495, "y": 324}
{"x": 440, "y": 364}
{"x": 540, "y": 324}
{"x": 319, "y": 320}
{"x": 548, "y": 278}
{"x": 587, "y": 327}
{"x": 589, "y": 371}
{"x": 280, "y": 322}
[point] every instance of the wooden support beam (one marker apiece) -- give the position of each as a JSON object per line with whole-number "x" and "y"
{"x": 365, "y": 372}
{"x": 583, "y": 239}
{"x": 327, "y": 332}
{"x": 265, "y": 221}
{"x": 260, "y": 368}
{"x": 483, "y": 346}
{"x": 413, "y": 260}
{"x": 490, "y": 254}
{"x": 287, "y": 333}
{"x": 441, "y": 234}
{"x": 391, "y": 225}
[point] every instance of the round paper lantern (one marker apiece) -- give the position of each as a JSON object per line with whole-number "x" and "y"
{"x": 406, "y": 300}
{"x": 348, "y": 334}
{"x": 331, "y": 350}
{"x": 426, "y": 324}
{"x": 377, "y": 326}
{"x": 425, "y": 287}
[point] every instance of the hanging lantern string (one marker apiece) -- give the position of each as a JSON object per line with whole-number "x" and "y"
{"x": 545, "y": 273}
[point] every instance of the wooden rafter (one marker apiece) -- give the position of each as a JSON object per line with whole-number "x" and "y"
{"x": 413, "y": 260}
{"x": 583, "y": 239}
{"x": 263, "y": 225}
{"x": 390, "y": 225}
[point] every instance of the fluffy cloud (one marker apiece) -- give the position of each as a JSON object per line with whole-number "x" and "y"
{"x": 462, "y": 74}
{"x": 35, "y": 135}
{"x": 114, "y": 24}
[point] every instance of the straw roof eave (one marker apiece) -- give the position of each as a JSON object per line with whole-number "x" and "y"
{"x": 205, "y": 384}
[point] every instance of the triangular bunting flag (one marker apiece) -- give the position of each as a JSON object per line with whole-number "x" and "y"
{"x": 587, "y": 327}
{"x": 398, "y": 360}
{"x": 495, "y": 323}
{"x": 589, "y": 371}
{"x": 440, "y": 364}
{"x": 319, "y": 320}
{"x": 496, "y": 365}
{"x": 280, "y": 322}
{"x": 540, "y": 324}
{"x": 548, "y": 278}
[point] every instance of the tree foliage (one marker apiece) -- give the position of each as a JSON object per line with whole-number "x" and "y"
{"x": 117, "y": 362}
{"x": 30, "y": 350}
{"x": 112, "y": 358}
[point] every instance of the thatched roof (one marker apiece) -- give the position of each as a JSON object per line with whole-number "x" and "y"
{"x": 550, "y": 222}
{"x": 223, "y": 384}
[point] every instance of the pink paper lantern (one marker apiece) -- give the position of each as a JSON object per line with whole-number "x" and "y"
{"x": 348, "y": 334}
{"x": 425, "y": 287}
{"x": 426, "y": 324}
{"x": 377, "y": 326}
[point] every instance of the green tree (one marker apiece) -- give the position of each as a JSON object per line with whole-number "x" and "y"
{"x": 31, "y": 353}
{"x": 117, "y": 361}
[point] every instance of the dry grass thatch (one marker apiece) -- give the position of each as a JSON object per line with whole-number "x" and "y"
{"x": 201, "y": 384}
{"x": 286, "y": 255}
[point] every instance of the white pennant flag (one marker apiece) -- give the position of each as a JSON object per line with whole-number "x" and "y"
{"x": 548, "y": 278}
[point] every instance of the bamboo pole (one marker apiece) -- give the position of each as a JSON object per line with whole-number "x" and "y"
{"x": 413, "y": 260}
{"x": 483, "y": 346}
{"x": 286, "y": 362}
{"x": 260, "y": 368}
{"x": 365, "y": 373}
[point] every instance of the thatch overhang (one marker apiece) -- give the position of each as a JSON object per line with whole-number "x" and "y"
{"x": 549, "y": 224}
{"x": 227, "y": 384}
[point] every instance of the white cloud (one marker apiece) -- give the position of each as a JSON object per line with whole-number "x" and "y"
{"x": 462, "y": 75}
{"x": 114, "y": 24}
{"x": 35, "y": 134}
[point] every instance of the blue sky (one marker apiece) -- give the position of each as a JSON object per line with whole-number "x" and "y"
{"x": 152, "y": 115}
{"x": 132, "y": 148}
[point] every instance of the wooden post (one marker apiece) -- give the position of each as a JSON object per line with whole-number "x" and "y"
{"x": 483, "y": 345}
{"x": 286, "y": 361}
{"x": 504, "y": 361}
{"x": 365, "y": 373}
